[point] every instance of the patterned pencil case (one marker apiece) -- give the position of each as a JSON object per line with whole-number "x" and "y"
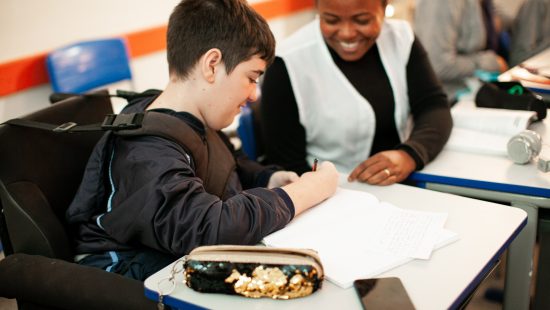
{"x": 253, "y": 271}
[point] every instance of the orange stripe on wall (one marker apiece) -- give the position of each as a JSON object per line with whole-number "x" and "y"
{"x": 147, "y": 41}
{"x": 276, "y": 8}
{"x": 24, "y": 73}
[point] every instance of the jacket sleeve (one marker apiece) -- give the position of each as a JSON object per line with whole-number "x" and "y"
{"x": 429, "y": 107}
{"x": 251, "y": 173}
{"x": 160, "y": 203}
{"x": 283, "y": 135}
{"x": 438, "y": 24}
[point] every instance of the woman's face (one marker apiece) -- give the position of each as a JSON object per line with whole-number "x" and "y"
{"x": 351, "y": 27}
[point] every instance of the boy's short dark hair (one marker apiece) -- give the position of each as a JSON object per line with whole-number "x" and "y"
{"x": 196, "y": 26}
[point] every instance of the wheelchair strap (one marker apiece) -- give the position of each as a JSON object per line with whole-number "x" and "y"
{"x": 125, "y": 94}
{"x": 113, "y": 122}
{"x": 214, "y": 163}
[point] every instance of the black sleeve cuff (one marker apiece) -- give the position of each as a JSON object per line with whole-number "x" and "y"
{"x": 263, "y": 177}
{"x": 415, "y": 156}
{"x": 279, "y": 191}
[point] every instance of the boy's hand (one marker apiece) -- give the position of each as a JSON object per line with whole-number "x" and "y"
{"x": 325, "y": 179}
{"x": 282, "y": 178}
{"x": 313, "y": 187}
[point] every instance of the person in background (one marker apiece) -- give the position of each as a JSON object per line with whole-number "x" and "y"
{"x": 530, "y": 31}
{"x": 505, "y": 15}
{"x": 506, "y": 11}
{"x": 460, "y": 37}
{"x": 146, "y": 200}
{"x": 357, "y": 90}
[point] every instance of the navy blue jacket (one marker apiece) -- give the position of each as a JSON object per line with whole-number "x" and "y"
{"x": 142, "y": 192}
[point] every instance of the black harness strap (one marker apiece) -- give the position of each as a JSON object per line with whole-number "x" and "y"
{"x": 214, "y": 161}
{"x": 113, "y": 122}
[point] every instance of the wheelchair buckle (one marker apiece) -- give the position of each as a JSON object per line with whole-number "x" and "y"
{"x": 64, "y": 127}
{"x": 122, "y": 121}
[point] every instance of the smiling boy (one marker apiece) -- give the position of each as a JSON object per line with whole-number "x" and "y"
{"x": 151, "y": 196}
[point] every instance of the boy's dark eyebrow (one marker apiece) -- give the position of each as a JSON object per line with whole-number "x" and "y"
{"x": 260, "y": 72}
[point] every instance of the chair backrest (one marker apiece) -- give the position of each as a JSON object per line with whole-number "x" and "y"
{"x": 246, "y": 133}
{"x": 249, "y": 131}
{"x": 40, "y": 172}
{"x": 83, "y": 66}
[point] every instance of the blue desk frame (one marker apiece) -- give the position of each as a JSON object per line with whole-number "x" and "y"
{"x": 520, "y": 254}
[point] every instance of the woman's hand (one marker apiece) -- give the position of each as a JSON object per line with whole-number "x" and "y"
{"x": 384, "y": 168}
{"x": 502, "y": 64}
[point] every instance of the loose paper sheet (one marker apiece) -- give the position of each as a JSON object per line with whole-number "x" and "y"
{"x": 357, "y": 236}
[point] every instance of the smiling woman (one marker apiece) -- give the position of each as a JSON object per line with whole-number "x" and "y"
{"x": 351, "y": 28}
{"x": 376, "y": 73}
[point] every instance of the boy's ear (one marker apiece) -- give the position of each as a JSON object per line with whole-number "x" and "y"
{"x": 210, "y": 62}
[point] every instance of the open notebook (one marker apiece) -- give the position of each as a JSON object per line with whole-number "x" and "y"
{"x": 485, "y": 130}
{"x": 358, "y": 236}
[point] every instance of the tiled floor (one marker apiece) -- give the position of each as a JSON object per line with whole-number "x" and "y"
{"x": 478, "y": 302}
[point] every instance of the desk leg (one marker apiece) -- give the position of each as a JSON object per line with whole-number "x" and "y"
{"x": 520, "y": 252}
{"x": 542, "y": 298}
{"x": 519, "y": 264}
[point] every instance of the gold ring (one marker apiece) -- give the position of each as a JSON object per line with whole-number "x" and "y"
{"x": 387, "y": 171}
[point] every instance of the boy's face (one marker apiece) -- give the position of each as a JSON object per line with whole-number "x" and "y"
{"x": 233, "y": 91}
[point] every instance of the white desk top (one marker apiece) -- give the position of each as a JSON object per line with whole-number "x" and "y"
{"x": 485, "y": 230}
{"x": 540, "y": 61}
{"x": 489, "y": 172}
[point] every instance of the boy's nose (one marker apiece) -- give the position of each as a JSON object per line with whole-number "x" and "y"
{"x": 253, "y": 95}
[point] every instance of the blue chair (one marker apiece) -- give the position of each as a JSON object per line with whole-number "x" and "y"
{"x": 87, "y": 65}
{"x": 245, "y": 130}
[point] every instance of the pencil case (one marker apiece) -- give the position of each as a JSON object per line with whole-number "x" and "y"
{"x": 512, "y": 96}
{"x": 254, "y": 271}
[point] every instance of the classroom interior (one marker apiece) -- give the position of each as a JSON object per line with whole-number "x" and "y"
{"x": 32, "y": 29}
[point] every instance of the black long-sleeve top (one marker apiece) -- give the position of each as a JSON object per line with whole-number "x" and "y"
{"x": 285, "y": 138}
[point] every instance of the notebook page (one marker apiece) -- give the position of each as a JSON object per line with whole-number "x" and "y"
{"x": 345, "y": 231}
{"x": 410, "y": 233}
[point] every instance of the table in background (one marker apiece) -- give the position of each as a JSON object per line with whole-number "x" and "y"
{"x": 539, "y": 61}
{"x": 497, "y": 178}
{"x": 444, "y": 281}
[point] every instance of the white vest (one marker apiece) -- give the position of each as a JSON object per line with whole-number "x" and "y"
{"x": 339, "y": 122}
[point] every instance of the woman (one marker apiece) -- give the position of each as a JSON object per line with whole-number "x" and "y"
{"x": 344, "y": 87}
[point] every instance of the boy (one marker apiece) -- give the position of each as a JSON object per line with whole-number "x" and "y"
{"x": 151, "y": 195}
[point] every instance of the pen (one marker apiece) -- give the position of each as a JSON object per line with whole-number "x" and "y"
{"x": 314, "y": 164}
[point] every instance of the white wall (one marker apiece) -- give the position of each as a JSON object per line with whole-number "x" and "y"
{"x": 29, "y": 27}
